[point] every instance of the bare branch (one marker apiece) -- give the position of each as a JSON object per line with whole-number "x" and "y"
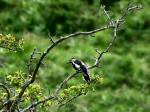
{"x": 100, "y": 54}
{"x": 115, "y": 24}
{"x": 110, "y": 21}
{"x": 87, "y": 33}
{"x": 51, "y": 39}
{"x": 29, "y": 62}
{"x": 128, "y": 10}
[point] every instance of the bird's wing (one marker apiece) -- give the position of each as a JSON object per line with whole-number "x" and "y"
{"x": 86, "y": 73}
{"x": 76, "y": 66}
{"x": 86, "y": 77}
{"x": 78, "y": 62}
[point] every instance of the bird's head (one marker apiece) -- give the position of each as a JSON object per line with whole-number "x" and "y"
{"x": 72, "y": 60}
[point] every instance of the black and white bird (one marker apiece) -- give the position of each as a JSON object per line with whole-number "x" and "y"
{"x": 80, "y": 66}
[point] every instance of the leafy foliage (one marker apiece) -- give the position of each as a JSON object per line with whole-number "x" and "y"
{"x": 10, "y": 42}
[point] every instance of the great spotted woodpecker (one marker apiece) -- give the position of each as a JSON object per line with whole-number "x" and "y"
{"x": 80, "y": 66}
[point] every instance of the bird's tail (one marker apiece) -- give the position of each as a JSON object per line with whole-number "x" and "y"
{"x": 86, "y": 77}
{"x": 86, "y": 73}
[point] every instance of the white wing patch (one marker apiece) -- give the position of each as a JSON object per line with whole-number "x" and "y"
{"x": 82, "y": 63}
{"x": 76, "y": 65}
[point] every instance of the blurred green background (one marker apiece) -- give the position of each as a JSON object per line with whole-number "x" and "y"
{"x": 126, "y": 70}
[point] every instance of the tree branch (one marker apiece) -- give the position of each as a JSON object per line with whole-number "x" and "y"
{"x": 110, "y": 21}
{"x": 51, "y": 38}
{"x": 54, "y": 95}
{"x": 30, "y": 61}
{"x": 8, "y": 95}
{"x": 7, "y": 90}
{"x": 115, "y": 24}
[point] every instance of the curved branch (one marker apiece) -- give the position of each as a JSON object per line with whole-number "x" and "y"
{"x": 8, "y": 95}
{"x": 7, "y": 90}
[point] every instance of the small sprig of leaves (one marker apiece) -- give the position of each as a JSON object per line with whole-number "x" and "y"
{"x": 67, "y": 95}
{"x": 16, "y": 79}
{"x": 10, "y": 42}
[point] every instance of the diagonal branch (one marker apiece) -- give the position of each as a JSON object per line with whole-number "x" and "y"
{"x": 129, "y": 9}
{"x": 29, "y": 62}
{"x": 110, "y": 21}
{"x": 51, "y": 39}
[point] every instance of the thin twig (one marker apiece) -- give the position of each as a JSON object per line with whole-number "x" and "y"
{"x": 108, "y": 16}
{"x": 116, "y": 25}
{"x": 128, "y": 10}
{"x": 74, "y": 97}
{"x": 65, "y": 82}
{"x": 50, "y": 37}
{"x": 29, "y": 62}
